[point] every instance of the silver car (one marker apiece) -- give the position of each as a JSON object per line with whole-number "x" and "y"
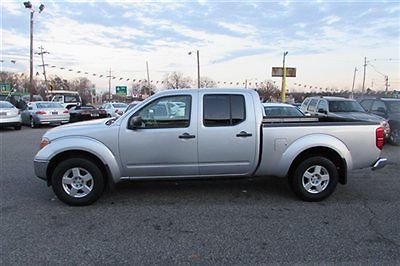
{"x": 114, "y": 109}
{"x": 42, "y": 113}
{"x": 9, "y": 115}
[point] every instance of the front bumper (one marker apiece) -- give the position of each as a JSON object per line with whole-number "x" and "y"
{"x": 378, "y": 164}
{"x": 40, "y": 168}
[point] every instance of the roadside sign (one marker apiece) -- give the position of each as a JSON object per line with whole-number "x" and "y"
{"x": 120, "y": 90}
{"x": 278, "y": 72}
{"x": 4, "y": 86}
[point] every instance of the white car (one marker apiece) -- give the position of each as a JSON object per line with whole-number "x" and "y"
{"x": 9, "y": 115}
{"x": 114, "y": 109}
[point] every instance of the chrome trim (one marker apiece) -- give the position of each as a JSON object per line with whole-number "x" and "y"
{"x": 40, "y": 168}
{"x": 380, "y": 163}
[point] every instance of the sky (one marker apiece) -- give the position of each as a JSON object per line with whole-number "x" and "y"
{"x": 237, "y": 40}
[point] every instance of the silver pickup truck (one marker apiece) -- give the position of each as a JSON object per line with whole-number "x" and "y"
{"x": 182, "y": 134}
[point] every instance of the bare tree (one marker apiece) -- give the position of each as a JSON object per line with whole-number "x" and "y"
{"x": 206, "y": 82}
{"x": 268, "y": 90}
{"x": 176, "y": 80}
{"x": 143, "y": 88}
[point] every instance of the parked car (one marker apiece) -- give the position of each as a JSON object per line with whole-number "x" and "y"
{"x": 86, "y": 112}
{"x": 44, "y": 113}
{"x": 9, "y": 115}
{"x": 219, "y": 132}
{"x": 131, "y": 105}
{"x": 114, "y": 109}
{"x": 341, "y": 109}
{"x": 389, "y": 109}
{"x": 281, "y": 110}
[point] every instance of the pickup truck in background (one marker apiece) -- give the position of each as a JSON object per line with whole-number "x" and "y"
{"x": 212, "y": 133}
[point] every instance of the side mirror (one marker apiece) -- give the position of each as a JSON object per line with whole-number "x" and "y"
{"x": 135, "y": 122}
{"x": 322, "y": 111}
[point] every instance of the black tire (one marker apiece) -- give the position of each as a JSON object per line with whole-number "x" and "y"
{"x": 304, "y": 168}
{"x": 394, "y": 138}
{"x": 17, "y": 127}
{"x": 90, "y": 167}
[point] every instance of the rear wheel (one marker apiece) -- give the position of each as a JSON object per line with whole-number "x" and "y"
{"x": 394, "y": 137}
{"x": 77, "y": 181}
{"x": 314, "y": 179}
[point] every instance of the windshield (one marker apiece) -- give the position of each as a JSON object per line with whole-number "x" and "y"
{"x": 282, "y": 111}
{"x": 393, "y": 106}
{"x": 345, "y": 106}
{"x": 6, "y": 105}
{"x": 119, "y": 105}
{"x": 48, "y": 105}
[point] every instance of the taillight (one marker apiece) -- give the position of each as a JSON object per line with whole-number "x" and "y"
{"x": 380, "y": 137}
{"x": 40, "y": 112}
{"x": 66, "y": 112}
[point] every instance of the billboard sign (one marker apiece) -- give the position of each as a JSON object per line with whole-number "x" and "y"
{"x": 278, "y": 72}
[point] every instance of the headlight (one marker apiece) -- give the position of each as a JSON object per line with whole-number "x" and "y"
{"x": 44, "y": 142}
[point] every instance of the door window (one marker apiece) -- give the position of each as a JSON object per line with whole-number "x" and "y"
{"x": 322, "y": 106}
{"x": 311, "y": 106}
{"x": 223, "y": 110}
{"x": 366, "y": 104}
{"x": 166, "y": 112}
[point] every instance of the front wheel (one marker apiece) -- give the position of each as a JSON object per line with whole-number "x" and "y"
{"x": 77, "y": 181}
{"x": 394, "y": 137}
{"x": 314, "y": 179}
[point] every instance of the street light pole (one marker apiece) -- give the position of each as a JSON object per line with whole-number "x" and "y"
{"x": 198, "y": 69}
{"x": 352, "y": 87}
{"x": 31, "y": 59}
{"x": 283, "y": 96}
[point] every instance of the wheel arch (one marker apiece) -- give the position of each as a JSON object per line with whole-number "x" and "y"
{"x": 326, "y": 152}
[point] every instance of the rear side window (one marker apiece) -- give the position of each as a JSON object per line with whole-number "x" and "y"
{"x": 311, "y": 106}
{"x": 223, "y": 110}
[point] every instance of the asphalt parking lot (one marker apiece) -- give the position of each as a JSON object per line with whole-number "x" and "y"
{"x": 251, "y": 221}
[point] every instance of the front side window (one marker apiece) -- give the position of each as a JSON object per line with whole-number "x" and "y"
{"x": 322, "y": 106}
{"x": 223, "y": 110}
{"x": 311, "y": 106}
{"x": 378, "y": 106}
{"x": 162, "y": 113}
{"x": 71, "y": 98}
{"x": 338, "y": 106}
{"x": 366, "y": 104}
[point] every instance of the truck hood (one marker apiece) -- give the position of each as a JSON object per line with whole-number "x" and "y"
{"x": 358, "y": 116}
{"x": 85, "y": 128}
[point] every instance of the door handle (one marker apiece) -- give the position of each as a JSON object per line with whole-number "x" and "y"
{"x": 243, "y": 134}
{"x": 187, "y": 136}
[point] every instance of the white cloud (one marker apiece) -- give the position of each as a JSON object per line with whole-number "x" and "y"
{"x": 14, "y": 8}
{"x": 331, "y": 19}
{"x": 239, "y": 28}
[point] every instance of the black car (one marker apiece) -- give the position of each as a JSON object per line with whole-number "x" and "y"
{"x": 86, "y": 112}
{"x": 388, "y": 108}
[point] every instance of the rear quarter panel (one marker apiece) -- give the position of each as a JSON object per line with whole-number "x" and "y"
{"x": 282, "y": 144}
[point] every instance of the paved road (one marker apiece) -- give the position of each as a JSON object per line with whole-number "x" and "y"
{"x": 195, "y": 222}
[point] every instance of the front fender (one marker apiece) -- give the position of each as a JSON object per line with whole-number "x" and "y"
{"x": 86, "y": 144}
{"x": 312, "y": 141}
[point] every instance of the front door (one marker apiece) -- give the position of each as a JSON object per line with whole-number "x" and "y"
{"x": 166, "y": 143}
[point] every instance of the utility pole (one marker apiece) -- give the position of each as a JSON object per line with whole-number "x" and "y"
{"x": 198, "y": 69}
{"x": 43, "y": 65}
{"x": 363, "y": 84}
{"x": 246, "y": 84}
{"x": 148, "y": 77}
{"x": 354, "y": 79}
{"x": 283, "y": 96}
{"x": 109, "y": 86}
{"x": 386, "y": 84}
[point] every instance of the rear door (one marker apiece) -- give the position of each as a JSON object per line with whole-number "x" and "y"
{"x": 226, "y": 134}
